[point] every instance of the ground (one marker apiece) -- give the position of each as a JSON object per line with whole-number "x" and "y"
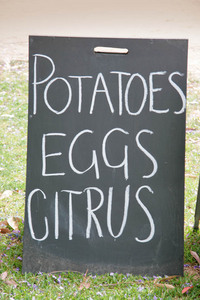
{"x": 114, "y": 18}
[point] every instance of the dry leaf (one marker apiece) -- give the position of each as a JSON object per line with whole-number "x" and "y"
{"x": 3, "y": 223}
{"x": 166, "y": 278}
{"x": 168, "y": 286}
{"x": 186, "y": 289}
{"x": 11, "y": 282}
{"x": 4, "y": 230}
{"x": 8, "y": 281}
{"x": 188, "y": 129}
{"x": 4, "y": 275}
{"x": 190, "y": 175}
{"x": 6, "y": 194}
{"x": 196, "y": 256}
{"x": 13, "y": 222}
{"x": 84, "y": 285}
{"x": 18, "y": 220}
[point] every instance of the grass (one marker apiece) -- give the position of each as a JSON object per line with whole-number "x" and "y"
{"x": 13, "y": 107}
{"x": 73, "y": 285}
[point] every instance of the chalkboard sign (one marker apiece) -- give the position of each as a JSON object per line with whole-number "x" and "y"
{"x": 105, "y": 162}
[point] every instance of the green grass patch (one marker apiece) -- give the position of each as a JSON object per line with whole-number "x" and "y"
{"x": 13, "y": 137}
{"x": 73, "y": 285}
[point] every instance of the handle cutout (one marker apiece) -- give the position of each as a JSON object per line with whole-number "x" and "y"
{"x": 110, "y": 50}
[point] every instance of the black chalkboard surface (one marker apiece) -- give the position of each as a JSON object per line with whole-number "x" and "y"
{"x": 105, "y": 163}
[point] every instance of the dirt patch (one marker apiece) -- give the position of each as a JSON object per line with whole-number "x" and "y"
{"x": 193, "y": 271}
{"x": 128, "y": 19}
